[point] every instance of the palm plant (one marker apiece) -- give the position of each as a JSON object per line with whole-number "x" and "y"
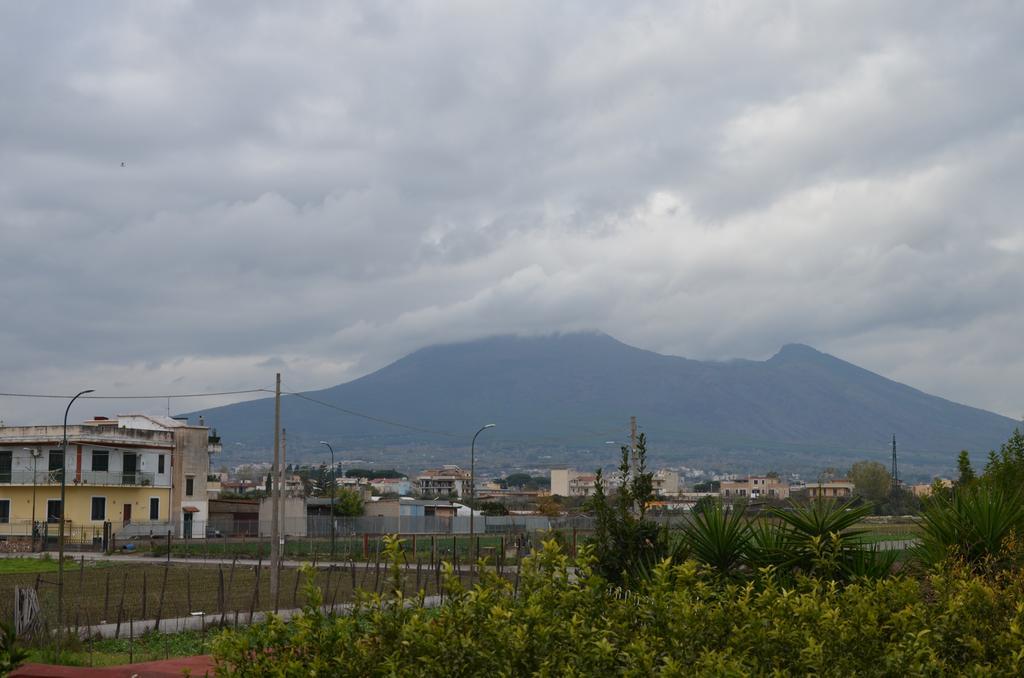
{"x": 976, "y": 526}
{"x": 869, "y": 562}
{"x": 769, "y": 545}
{"x": 820, "y": 537}
{"x": 718, "y": 538}
{"x": 11, "y": 654}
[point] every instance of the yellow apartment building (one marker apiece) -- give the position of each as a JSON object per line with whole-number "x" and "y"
{"x": 140, "y": 473}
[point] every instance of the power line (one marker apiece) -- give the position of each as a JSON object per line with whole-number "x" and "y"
{"x": 139, "y": 397}
{"x": 370, "y": 417}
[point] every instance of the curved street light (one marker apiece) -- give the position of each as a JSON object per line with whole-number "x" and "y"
{"x": 472, "y": 478}
{"x": 334, "y": 482}
{"x": 60, "y": 535}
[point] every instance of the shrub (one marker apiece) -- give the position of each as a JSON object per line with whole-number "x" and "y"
{"x": 627, "y": 546}
{"x": 980, "y": 525}
{"x": 11, "y": 654}
{"x": 679, "y": 622}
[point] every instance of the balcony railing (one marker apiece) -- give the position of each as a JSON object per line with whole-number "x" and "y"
{"x": 137, "y": 479}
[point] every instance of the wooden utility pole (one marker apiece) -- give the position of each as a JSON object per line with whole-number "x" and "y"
{"x": 275, "y": 546}
{"x": 632, "y": 441}
{"x": 282, "y": 496}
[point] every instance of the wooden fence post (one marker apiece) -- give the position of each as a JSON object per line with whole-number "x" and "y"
{"x": 120, "y": 607}
{"x": 256, "y": 589}
{"x": 160, "y": 605}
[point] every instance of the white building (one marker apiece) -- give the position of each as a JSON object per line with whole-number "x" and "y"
{"x": 447, "y": 481}
{"x": 568, "y": 482}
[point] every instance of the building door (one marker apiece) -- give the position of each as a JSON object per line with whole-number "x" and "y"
{"x": 187, "y": 526}
{"x": 131, "y": 465}
{"x": 127, "y": 514}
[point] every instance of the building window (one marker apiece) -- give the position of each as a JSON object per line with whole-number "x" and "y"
{"x": 154, "y": 508}
{"x": 99, "y": 508}
{"x": 190, "y": 485}
{"x": 5, "y": 510}
{"x": 100, "y": 460}
{"x": 5, "y": 466}
{"x": 53, "y": 510}
{"x": 160, "y": 464}
{"x": 56, "y": 463}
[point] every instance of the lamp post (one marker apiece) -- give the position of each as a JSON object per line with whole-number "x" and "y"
{"x": 472, "y": 479}
{"x": 63, "y": 513}
{"x": 34, "y": 451}
{"x": 334, "y": 488}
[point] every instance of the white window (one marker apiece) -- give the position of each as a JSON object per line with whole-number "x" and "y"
{"x": 154, "y": 508}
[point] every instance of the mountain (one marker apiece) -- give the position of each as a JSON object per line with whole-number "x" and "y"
{"x": 559, "y": 398}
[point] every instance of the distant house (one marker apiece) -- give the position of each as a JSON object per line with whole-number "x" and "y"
{"x": 568, "y": 482}
{"x": 235, "y": 517}
{"x": 666, "y": 483}
{"x": 754, "y": 487}
{"x": 833, "y": 489}
{"x": 925, "y": 489}
{"x": 416, "y": 508}
{"x": 447, "y": 481}
{"x": 400, "y": 486}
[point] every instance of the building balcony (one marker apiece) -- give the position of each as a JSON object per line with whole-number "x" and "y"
{"x": 91, "y": 478}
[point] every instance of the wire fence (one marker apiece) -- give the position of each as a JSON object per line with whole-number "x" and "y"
{"x": 113, "y": 597}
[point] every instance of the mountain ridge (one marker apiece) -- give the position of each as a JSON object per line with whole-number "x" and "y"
{"x": 569, "y": 393}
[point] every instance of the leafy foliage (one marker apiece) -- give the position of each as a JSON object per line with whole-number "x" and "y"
{"x": 347, "y": 503}
{"x": 718, "y": 538}
{"x": 681, "y": 621}
{"x": 871, "y": 480}
{"x": 627, "y": 545}
{"x": 979, "y": 525}
{"x": 966, "y": 474}
{"x": 11, "y": 654}
{"x": 1005, "y": 469}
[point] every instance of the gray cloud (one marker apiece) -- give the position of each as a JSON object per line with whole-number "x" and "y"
{"x": 323, "y": 189}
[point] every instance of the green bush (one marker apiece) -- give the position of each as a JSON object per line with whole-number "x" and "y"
{"x": 11, "y": 654}
{"x": 980, "y": 525}
{"x": 681, "y": 621}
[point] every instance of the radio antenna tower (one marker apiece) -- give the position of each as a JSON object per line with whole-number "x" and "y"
{"x": 895, "y": 467}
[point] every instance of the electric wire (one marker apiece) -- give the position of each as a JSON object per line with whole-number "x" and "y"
{"x": 139, "y": 397}
{"x": 370, "y": 417}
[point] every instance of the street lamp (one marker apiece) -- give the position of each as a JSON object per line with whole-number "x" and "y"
{"x": 60, "y": 534}
{"x": 334, "y": 482}
{"x": 472, "y": 478}
{"x": 34, "y": 451}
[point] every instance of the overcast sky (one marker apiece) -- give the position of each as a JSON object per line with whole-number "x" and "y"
{"x": 322, "y": 188}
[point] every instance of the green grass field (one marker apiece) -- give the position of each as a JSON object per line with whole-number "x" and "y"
{"x": 112, "y": 652}
{"x": 27, "y": 565}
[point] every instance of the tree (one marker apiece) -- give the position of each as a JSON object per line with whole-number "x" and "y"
{"x": 871, "y": 480}
{"x": 626, "y": 545}
{"x": 1005, "y": 469}
{"x": 347, "y": 503}
{"x": 967, "y": 474}
{"x": 493, "y": 508}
